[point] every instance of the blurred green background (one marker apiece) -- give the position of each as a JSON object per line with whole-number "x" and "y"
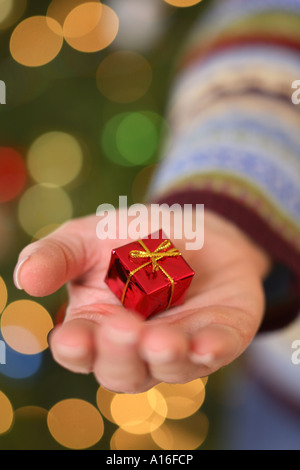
{"x": 79, "y": 128}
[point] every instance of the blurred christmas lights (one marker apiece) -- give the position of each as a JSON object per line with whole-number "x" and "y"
{"x": 75, "y": 424}
{"x": 3, "y": 295}
{"x": 25, "y": 325}
{"x": 55, "y": 158}
{"x": 60, "y": 9}
{"x": 91, "y": 27}
{"x": 36, "y": 41}
{"x": 139, "y": 414}
{"x": 122, "y": 440}
{"x": 6, "y": 413}
{"x": 10, "y": 12}
{"x": 43, "y": 205}
{"x": 13, "y": 174}
{"x": 124, "y": 76}
{"x": 182, "y": 3}
{"x": 187, "y": 434}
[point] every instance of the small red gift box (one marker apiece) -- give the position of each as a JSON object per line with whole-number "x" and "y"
{"x": 149, "y": 275}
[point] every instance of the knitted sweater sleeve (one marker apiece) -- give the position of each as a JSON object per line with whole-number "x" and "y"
{"x": 234, "y": 142}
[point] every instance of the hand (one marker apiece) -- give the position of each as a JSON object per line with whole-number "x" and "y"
{"x": 222, "y": 313}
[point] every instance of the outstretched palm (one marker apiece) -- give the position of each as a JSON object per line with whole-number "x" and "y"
{"x": 220, "y": 317}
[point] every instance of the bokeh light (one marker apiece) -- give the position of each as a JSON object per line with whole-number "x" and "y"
{"x": 104, "y": 398}
{"x": 59, "y": 9}
{"x": 30, "y": 428}
{"x": 44, "y": 231}
{"x": 182, "y": 400}
{"x": 43, "y": 205}
{"x": 124, "y": 76}
{"x": 36, "y": 41}
{"x": 25, "y": 325}
{"x": 3, "y": 294}
{"x": 55, "y": 158}
{"x": 10, "y": 12}
{"x": 6, "y": 7}
{"x": 122, "y": 440}
{"x": 20, "y": 366}
{"x": 75, "y": 424}
{"x": 182, "y": 3}
{"x": 6, "y": 413}
{"x": 139, "y": 414}
{"x": 131, "y": 139}
{"x": 91, "y": 27}
{"x": 187, "y": 434}
{"x": 137, "y": 138}
{"x": 141, "y": 23}
{"x": 13, "y": 174}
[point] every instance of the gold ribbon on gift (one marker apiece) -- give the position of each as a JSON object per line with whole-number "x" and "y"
{"x": 153, "y": 257}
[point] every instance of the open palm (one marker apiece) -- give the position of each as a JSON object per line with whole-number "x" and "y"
{"x": 221, "y": 315}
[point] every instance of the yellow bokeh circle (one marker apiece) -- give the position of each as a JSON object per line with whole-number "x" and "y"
{"x": 187, "y": 434}
{"x": 10, "y": 12}
{"x": 104, "y": 398}
{"x": 122, "y": 440}
{"x": 25, "y": 326}
{"x": 6, "y": 413}
{"x": 55, "y": 158}
{"x": 182, "y": 400}
{"x": 75, "y": 424}
{"x": 36, "y": 41}
{"x": 139, "y": 414}
{"x": 3, "y": 295}
{"x": 43, "y": 205}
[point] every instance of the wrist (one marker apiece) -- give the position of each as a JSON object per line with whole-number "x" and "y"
{"x": 254, "y": 255}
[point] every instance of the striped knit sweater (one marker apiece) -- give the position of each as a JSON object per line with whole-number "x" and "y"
{"x": 234, "y": 143}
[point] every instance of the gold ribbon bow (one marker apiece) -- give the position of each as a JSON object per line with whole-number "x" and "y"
{"x": 153, "y": 257}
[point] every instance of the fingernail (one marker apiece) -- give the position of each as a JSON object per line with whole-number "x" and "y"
{"x": 120, "y": 336}
{"x": 17, "y": 273}
{"x": 204, "y": 359}
{"x": 159, "y": 357}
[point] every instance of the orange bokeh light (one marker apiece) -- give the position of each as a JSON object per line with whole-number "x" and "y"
{"x": 75, "y": 424}
{"x": 59, "y": 9}
{"x": 182, "y": 3}
{"x": 91, "y": 27}
{"x": 25, "y": 326}
{"x": 6, "y": 414}
{"x": 36, "y": 41}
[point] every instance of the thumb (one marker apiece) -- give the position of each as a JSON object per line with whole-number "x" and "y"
{"x": 46, "y": 265}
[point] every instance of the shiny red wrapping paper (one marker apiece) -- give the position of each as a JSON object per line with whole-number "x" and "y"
{"x": 146, "y": 289}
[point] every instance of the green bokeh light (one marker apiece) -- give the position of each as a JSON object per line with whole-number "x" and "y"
{"x": 131, "y": 139}
{"x": 137, "y": 138}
